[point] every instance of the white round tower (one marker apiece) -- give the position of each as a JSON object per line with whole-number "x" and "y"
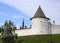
{"x": 39, "y": 23}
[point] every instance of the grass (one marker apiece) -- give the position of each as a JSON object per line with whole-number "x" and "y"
{"x": 0, "y": 40}
{"x": 40, "y": 39}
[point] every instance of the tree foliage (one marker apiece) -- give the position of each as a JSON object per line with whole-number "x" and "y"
{"x": 8, "y": 32}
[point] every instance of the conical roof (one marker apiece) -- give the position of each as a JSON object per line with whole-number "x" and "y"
{"x": 39, "y": 14}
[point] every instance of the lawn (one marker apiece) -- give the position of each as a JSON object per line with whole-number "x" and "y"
{"x": 40, "y": 39}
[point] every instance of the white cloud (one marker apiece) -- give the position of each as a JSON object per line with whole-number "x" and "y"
{"x": 50, "y": 7}
{"x": 27, "y": 6}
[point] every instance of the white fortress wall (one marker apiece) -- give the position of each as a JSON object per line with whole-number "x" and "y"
{"x": 55, "y": 29}
{"x": 23, "y": 32}
{"x": 40, "y": 25}
{"x": 26, "y": 32}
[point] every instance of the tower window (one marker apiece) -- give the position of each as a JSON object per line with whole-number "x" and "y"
{"x": 41, "y": 32}
{"x": 40, "y": 21}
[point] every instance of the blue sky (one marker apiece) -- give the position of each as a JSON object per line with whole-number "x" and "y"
{"x": 10, "y": 13}
{"x": 16, "y": 10}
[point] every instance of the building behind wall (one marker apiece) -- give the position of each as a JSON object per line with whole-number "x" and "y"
{"x": 40, "y": 24}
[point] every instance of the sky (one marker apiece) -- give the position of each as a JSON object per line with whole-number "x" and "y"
{"x": 16, "y": 10}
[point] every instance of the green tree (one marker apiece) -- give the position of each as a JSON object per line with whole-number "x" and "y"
{"x": 0, "y": 29}
{"x": 8, "y": 33}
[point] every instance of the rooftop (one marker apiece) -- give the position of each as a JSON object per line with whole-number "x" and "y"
{"x": 39, "y": 14}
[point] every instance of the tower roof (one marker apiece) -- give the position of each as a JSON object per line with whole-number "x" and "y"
{"x": 39, "y": 14}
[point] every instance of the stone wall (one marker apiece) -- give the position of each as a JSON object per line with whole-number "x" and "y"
{"x": 55, "y": 29}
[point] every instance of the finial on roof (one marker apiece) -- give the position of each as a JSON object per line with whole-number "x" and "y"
{"x": 39, "y": 14}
